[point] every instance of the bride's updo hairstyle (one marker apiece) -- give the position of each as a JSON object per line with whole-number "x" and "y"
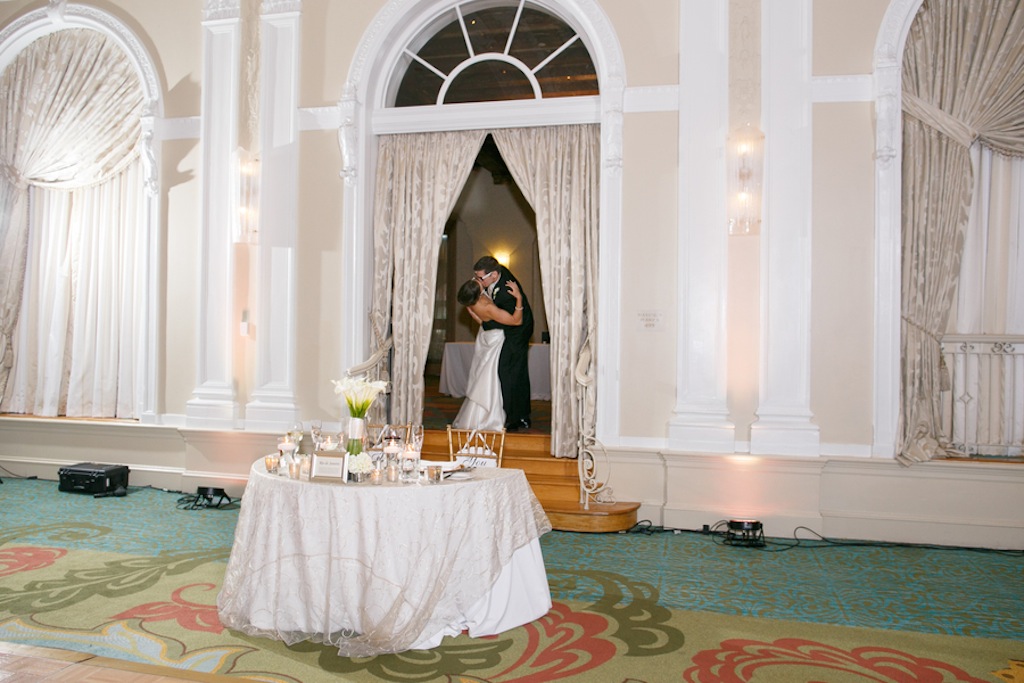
{"x": 469, "y": 292}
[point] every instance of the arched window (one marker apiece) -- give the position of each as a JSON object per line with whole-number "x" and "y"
{"x": 483, "y": 53}
{"x": 77, "y": 205}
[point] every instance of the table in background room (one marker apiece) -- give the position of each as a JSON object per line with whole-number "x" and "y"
{"x": 458, "y": 357}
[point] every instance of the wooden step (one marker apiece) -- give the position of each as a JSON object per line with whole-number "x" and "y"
{"x": 555, "y": 482}
{"x": 599, "y": 518}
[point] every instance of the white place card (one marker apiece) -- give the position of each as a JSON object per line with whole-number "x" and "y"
{"x": 330, "y": 466}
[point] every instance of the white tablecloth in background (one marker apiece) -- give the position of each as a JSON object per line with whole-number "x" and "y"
{"x": 458, "y": 356}
{"x": 376, "y": 569}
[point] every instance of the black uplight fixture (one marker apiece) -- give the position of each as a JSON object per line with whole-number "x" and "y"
{"x": 748, "y": 533}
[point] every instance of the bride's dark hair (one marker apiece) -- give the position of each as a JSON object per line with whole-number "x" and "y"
{"x": 469, "y": 292}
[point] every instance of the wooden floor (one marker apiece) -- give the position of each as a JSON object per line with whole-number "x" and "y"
{"x": 27, "y": 664}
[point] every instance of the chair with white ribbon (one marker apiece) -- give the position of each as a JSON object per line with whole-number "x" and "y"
{"x": 476, "y": 447}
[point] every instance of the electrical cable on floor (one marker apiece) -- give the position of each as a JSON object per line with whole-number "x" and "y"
{"x": 778, "y": 545}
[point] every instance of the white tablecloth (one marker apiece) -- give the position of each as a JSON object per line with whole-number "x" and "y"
{"x": 458, "y": 357}
{"x": 377, "y": 569}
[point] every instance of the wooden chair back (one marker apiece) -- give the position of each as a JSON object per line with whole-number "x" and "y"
{"x": 476, "y": 447}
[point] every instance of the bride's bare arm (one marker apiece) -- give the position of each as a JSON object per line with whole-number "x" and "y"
{"x": 487, "y": 310}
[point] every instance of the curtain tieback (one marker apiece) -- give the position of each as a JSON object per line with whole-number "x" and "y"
{"x": 922, "y": 329}
{"x": 947, "y": 124}
{"x": 12, "y": 176}
{"x": 945, "y": 381}
{"x": 373, "y": 360}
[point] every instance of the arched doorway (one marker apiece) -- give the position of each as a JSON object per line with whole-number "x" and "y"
{"x": 379, "y": 68}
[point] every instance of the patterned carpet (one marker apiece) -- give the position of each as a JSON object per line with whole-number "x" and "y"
{"x": 136, "y": 578}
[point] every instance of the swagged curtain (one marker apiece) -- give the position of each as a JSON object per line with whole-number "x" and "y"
{"x": 419, "y": 179}
{"x": 963, "y": 86}
{"x": 69, "y": 105}
{"x": 557, "y": 169}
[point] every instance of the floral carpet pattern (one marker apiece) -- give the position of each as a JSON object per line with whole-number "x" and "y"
{"x": 137, "y": 579}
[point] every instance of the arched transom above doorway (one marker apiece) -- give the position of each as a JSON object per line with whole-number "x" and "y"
{"x": 482, "y": 51}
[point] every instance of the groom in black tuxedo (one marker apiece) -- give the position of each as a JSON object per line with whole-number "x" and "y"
{"x": 514, "y": 362}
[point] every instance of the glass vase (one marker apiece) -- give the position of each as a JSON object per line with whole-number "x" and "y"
{"x": 356, "y": 435}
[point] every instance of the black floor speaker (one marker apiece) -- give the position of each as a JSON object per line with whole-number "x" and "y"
{"x": 90, "y": 477}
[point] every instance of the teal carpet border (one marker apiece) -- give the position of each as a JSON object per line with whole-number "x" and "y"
{"x": 949, "y": 591}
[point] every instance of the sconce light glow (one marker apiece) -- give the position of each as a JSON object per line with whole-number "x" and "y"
{"x": 502, "y": 257}
{"x": 248, "y": 181}
{"x": 745, "y": 168}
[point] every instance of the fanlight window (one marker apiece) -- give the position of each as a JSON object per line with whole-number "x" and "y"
{"x": 487, "y": 54}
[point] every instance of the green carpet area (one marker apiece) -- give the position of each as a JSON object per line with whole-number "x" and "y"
{"x": 136, "y": 578}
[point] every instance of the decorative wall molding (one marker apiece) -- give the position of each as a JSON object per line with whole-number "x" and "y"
{"x": 214, "y": 402}
{"x": 272, "y": 402}
{"x": 892, "y": 37}
{"x": 281, "y": 7}
{"x": 221, "y": 10}
{"x": 784, "y": 423}
{"x": 700, "y": 419}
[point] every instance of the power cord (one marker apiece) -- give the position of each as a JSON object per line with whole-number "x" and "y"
{"x": 207, "y": 497}
{"x": 776, "y": 545}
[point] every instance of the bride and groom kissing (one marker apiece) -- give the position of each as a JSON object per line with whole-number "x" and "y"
{"x": 498, "y": 390}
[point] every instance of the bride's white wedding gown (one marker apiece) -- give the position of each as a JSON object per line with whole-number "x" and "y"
{"x": 483, "y": 408}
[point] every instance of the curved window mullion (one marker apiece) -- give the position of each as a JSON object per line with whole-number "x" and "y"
{"x": 470, "y": 53}
{"x": 490, "y": 57}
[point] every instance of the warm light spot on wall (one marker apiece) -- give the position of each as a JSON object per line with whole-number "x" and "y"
{"x": 502, "y": 257}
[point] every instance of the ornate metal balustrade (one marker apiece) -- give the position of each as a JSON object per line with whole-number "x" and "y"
{"x": 983, "y": 408}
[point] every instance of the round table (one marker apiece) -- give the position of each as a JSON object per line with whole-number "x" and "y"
{"x": 384, "y": 568}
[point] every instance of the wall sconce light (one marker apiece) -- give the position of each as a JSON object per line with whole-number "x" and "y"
{"x": 502, "y": 257}
{"x": 746, "y": 168}
{"x": 248, "y": 176}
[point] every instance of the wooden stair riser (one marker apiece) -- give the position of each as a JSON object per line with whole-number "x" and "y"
{"x": 555, "y": 482}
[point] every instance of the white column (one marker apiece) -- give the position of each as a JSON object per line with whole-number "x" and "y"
{"x": 213, "y": 402}
{"x": 272, "y": 402}
{"x": 784, "y": 421}
{"x": 700, "y": 420}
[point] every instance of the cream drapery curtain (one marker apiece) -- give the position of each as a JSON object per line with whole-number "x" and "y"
{"x": 419, "y": 179}
{"x": 69, "y": 105}
{"x": 558, "y": 170}
{"x": 963, "y": 85}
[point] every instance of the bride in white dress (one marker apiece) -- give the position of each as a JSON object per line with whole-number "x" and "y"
{"x": 483, "y": 408}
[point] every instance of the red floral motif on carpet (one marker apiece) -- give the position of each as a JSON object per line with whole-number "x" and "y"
{"x": 562, "y": 643}
{"x": 14, "y": 560}
{"x": 192, "y": 616}
{"x": 737, "y": 661}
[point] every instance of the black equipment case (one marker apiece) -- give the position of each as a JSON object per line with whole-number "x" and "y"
{"x": 89, "y": 477}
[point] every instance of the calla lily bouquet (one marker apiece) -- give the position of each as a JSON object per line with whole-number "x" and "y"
{"x": 359, "y": 393}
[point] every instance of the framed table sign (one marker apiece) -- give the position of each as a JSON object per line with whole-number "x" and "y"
{"x": 330, "y": 465}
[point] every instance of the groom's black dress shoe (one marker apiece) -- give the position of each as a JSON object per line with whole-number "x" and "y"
{"x": 518, "y": 425}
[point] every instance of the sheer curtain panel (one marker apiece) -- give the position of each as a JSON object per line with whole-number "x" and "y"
{"x": 70, "y": 105}
{"x": 963, "y": 85}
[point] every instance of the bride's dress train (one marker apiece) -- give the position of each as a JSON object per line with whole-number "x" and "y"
{"x": 483, "y": 408}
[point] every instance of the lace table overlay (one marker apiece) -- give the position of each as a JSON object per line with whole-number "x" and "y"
{"x": 378, "y": 569}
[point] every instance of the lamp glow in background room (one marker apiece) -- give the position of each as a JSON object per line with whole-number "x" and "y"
{"x": 502, "y": 257}
{"x": 745, "y": 169}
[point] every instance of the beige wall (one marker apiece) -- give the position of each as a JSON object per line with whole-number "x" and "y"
{"x": 843, "y": 273}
